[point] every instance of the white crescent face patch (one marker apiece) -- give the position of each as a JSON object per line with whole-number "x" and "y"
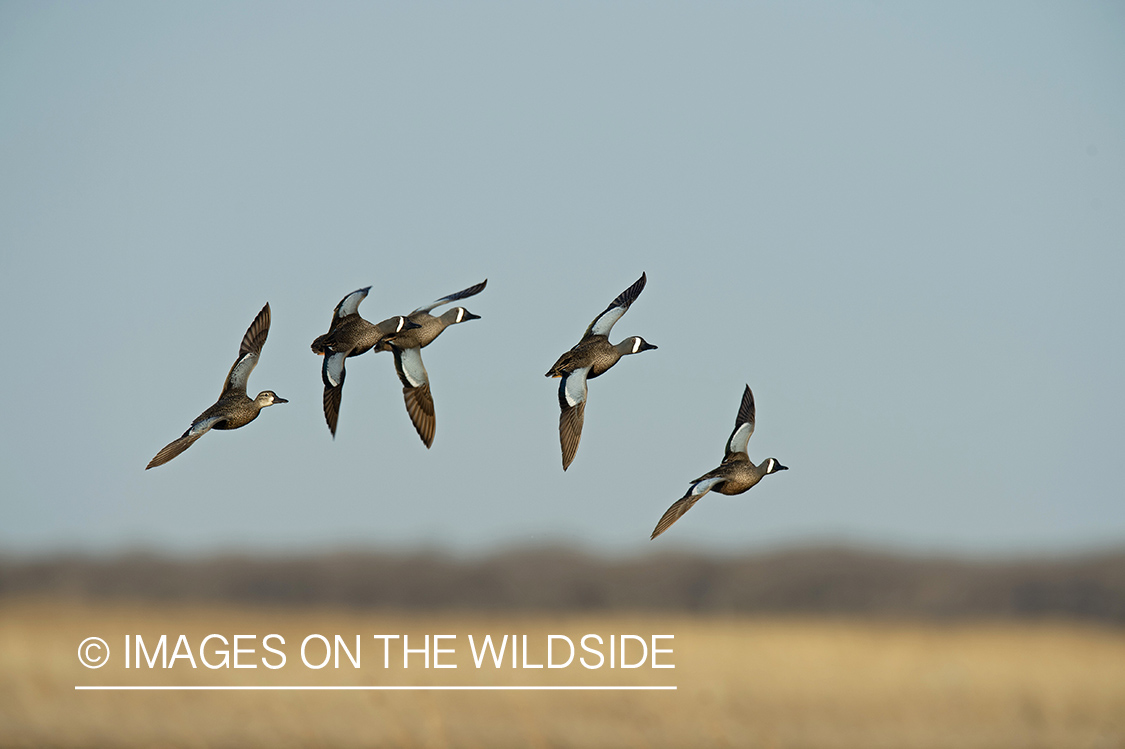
{"x": 770, "y": 464}
{"x": 636, "y": 345}
{"x": 460, "y": 314}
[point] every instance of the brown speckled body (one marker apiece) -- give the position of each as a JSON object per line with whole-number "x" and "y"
{"x": 429, "y": 328}
{"x": 738, "y": 472}
{"x": 356, "y": 335}
{"x": 595, "y": 352}
{"x": 234, "y": 410}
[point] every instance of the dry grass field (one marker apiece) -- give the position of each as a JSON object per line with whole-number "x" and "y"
{"x": 742, "y": 682}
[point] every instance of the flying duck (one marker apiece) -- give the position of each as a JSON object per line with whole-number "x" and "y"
{"x": 349, "y": 335}
{"x": 234, "y": 408}
{"x": 736, "y": 474}
{"x": 590, "y": 358}
{"x": 407, "y": 349}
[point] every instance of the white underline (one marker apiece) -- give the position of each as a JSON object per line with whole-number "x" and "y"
{"x": 404, "y": 688}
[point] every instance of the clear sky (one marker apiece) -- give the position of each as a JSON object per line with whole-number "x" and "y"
{"x": 903, "y": 225}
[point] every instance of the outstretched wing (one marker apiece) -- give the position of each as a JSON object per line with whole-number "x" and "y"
{"x": 743, "y": 424}
{"x": 572, "y": 401}
{"x": 349, "y": 305}
{"x": 603, "y": 323}
{"x": 248, "y": 353}
{"x": 464, "y": 294}
{"x": 416, "y": 392}
{"x": 199, "y": 427}
{"x": 173, "y": 449}
{"x": 332, "y": 374}
{"x": 685, "y": 503}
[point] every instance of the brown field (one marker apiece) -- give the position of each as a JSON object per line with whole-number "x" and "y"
{"x": 744, "y": 682}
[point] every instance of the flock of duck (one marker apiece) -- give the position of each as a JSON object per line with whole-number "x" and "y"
{"x": 406, "y": 335}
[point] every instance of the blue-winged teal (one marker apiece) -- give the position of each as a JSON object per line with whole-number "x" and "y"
{"x": 407, "y": 349}
{"x": 734, "y": 475}
{"x": 234, "y": 408}
{"x": 590, "y": 358}
{"x": 349, "y": 335}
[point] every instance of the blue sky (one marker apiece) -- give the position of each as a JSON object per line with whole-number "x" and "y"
{"x": 901, "y": 224}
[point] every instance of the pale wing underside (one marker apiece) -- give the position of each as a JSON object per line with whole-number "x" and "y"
{"x": 416, "y": 392}
{"x": 349, "y": 305}
{"x": 408, "y": 364}
{"x": 332, "y": 373}
{"x": 683, "y": 504}
{"x": 572, "y": 402}
{"x": 240, "y": 373}
{"x": 463, "y": 294}
{"x": 604, "y": 322}
{"x": 573, "y": 389}
{"x": 743, "y": 424}
{"x": 248, "y": 352}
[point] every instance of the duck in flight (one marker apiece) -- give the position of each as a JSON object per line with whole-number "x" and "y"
{"x": 736, "y": 474}
{"x": 407, "y": 348}
{"x": 591, "y": 357}
{"x": 234, "y": 408}
{"x": 349, "y": 335}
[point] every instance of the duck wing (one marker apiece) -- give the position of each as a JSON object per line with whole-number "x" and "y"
{"x": 332, "y": 374}
{"x": 743, "y": 425}
{"x": 603, "y": 323}
{"x": 572, "y": 402}
{"x": 348, "y": 306}
{"x": 248, "y": 353}
{"x": 463, "y": 294}
{"x": 198, "y": 428}
{"x": 698, "y": 488}
{"x": 172, "y": 449}
{"x": 416, "y": 392}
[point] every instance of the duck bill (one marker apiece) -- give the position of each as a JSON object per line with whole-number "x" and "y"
{"x": 279, "y": 399}
{"x": 646, "y": 346}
